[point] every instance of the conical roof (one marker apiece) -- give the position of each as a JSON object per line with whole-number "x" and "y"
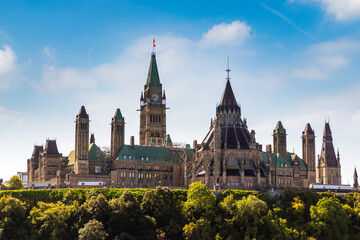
{"x": 327, "y": 132}
{"x": 82, "y": 113}
{"x": 279, "y": 128}
{"x": 228, "y": 100}
{"x": 153, "y": 79}
{"x": 355, "y": 173}
{"x": 118, "y": 116}
{"x": 308, "y": 129}
{"x": 327, "y": 150}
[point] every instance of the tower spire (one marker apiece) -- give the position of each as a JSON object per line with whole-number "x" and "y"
{"x": 228, "y": 69}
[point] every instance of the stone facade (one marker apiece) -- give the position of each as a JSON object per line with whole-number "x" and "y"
{"x": 328, "y": 168}
{"x": 152, "y": 109}
{"x": 229, "y": 157}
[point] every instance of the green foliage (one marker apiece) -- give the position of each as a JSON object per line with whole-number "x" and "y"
{"x": 162, "y": 214}
{"x": 13, "y": 222}
{"x": 275, "y": 227}
{"x": 200, "y": 202}
{"x": 201, "y": 229}
{"x": 93, "y": 230}
{"x": 126, "y": 217}
{"x": 161, "y": 204}
{"x": 15, "y": 183}
{"x": 97, "y": 207}
{"x": 53, "y": 221}
{"x": 329, "y": 219}
{"x": 242, "y": 217}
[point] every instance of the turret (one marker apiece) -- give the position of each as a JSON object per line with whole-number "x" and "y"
{"x": 82, "y": 142}
{"x": 92, "y": 138}
{"x": 164, "y": 98}
{"x": 279, "y": 138}
{"x": 356, "y": 183}
{"x": 308, "y": 149}
{"x": 329, "y": 162}
{"x": 117, "y": 133}
{"x": 142, "y": 103}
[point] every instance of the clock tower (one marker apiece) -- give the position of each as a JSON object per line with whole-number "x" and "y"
{"x": 152, "y": 108}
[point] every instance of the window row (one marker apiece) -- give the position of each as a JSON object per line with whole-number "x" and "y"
{"x": 284, "y": 181}
{"x": 155, "y": 118}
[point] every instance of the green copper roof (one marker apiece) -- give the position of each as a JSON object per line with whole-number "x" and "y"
{"x": 168, "y": 141}
{"x": 265, "y": 157}
{"x": 280, "y": 162}
{"x": 118, "y": 116}
{"x": 153, "y": 80}
{"x": 95, "y": 153}
{"x": 279, "y": 127}
{"x": 152, "y": 154}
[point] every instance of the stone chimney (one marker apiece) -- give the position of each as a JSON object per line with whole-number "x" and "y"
{"x": 268, "y": 148}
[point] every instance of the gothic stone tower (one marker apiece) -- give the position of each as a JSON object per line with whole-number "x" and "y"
{"x": 356, "y": 183}
{"x": 81, "y": 165}
{"x": 328, "y": 169}
{"x": 308, "y": 148}
{"x": 279, "y": 138}
{"x": 117, "y": 133}
{"x": 153, "y": 108}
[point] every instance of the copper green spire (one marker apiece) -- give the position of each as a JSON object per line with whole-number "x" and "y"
{"x": 118, "y": 116}
{"x": 279, "y": 127}
{"x": 153, "y": 80}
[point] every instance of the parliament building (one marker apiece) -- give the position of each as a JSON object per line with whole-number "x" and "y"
{"x": 229, "y": 157}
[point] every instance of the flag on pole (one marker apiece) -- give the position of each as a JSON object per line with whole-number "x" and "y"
{"x": 154, "y": 45}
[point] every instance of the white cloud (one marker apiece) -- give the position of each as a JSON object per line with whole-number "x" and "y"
{"x": 8, "y": 116}
{"x": 179, "y": 54}
{"x": 309, "y": 73}
{"x": 322, "y": 59}
{"x": 49, "y": 52}
{"x": 9, "y": 72}
{"x": 341, "y": 10}
{"x": 334, "y": 47}
{"x": 223, "y": 34}
{"x": 57, "y": 79}
{"x": 7, "y": 60}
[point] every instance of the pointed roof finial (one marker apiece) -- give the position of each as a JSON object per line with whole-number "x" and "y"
{"x": 228, "y": 69}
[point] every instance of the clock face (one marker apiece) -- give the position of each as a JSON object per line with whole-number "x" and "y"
{"x": 155, "y": 97}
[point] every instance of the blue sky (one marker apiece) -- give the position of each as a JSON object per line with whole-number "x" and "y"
{"x": 294, "y": 61}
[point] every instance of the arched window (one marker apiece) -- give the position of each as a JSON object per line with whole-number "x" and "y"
{"x": 232, "y": 161}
